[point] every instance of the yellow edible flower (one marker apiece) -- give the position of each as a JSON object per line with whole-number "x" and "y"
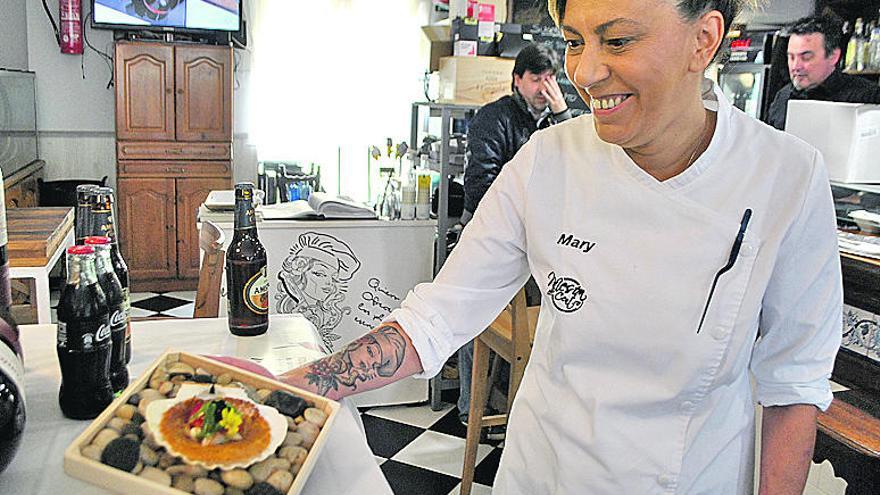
{"x": 231, "y": 420}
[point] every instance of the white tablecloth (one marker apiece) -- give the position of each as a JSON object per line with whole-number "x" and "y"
{"x": 346, "y": 465}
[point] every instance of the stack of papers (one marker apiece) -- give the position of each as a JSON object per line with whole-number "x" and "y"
{"x": 859, "y": 245}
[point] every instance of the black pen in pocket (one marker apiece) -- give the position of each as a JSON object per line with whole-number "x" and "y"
{"x": 731, "y": 260}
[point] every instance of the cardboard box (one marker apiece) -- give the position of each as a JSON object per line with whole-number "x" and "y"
{"x": 474, "y": 80}
{"x": 440, "y": 37}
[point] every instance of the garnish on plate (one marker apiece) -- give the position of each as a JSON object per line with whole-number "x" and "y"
{"x": 213, "y": 422}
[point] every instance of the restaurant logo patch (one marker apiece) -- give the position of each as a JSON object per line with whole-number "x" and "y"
{"x": 566, "y": 293}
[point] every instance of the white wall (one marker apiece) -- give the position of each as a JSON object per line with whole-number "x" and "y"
{"x": 13, "y": 35}
{"x": 75, "y": 115}
{"x": 778, "y": 12}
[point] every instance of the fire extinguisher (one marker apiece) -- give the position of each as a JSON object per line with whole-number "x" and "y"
{"x": 70, "y": 37}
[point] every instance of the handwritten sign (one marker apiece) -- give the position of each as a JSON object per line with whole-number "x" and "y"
{"x": 376, "y": 302}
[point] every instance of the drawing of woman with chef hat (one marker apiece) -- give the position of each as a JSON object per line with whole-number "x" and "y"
{"x": 314, "y": 279}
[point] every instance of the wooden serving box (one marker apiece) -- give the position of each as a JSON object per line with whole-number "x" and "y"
{"x": 118, "y": 481}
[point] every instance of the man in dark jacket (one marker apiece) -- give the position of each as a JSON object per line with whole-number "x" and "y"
{"x": 500, "y": 128}
{"x": 495, "y": 134}
{"x": 813, "y": 53}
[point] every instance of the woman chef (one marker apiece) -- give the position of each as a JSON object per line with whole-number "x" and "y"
{"x": 681, "y": 247}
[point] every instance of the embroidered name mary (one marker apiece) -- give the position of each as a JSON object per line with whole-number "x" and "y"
{"x": 566, "y": 293}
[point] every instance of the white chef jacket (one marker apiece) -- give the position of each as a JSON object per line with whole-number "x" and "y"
{"x": 622, "y": 393}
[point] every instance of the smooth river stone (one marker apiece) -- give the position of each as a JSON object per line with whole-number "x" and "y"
{"x": 205, "y": 486}
{"x": 237, "y": 478}
{"x": 157, "y": 475}
{"x": 286, "y": 403}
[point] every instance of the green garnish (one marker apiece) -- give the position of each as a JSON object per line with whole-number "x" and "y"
{"x": 212, "y": 417}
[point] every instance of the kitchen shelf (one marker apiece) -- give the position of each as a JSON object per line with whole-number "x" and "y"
{"x": 449, "y": 165}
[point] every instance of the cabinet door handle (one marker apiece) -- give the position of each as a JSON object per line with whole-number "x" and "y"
{"x": 173, "y": 151}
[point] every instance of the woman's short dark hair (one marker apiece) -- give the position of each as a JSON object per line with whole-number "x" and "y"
{"x": 829, "y": 27}
{"x": 689, "y": 9}
{"x": 536, "y": 59}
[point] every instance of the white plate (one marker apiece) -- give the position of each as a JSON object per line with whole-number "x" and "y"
{"x": 277, "y": 422}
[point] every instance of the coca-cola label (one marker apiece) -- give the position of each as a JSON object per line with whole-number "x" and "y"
{"x": 83, "y": 335}
{"x": 256, "y": 293}
{"x": 117, "y": 319}
{"x": 102, "y": 333}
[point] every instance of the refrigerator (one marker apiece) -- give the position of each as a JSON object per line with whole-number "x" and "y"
{"x": 745, "y": 85}
{"x": 747, "y": 77}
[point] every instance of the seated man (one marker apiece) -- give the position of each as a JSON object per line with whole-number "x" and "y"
{"x": 499, "y": 129}
{"x": 813, "y": 54}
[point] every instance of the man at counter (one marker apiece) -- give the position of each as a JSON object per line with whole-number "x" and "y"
{"x": 813, "y": 54}
{"x": 495, "y": 134}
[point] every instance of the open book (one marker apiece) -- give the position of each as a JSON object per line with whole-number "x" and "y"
{"x": 319, "y": 206}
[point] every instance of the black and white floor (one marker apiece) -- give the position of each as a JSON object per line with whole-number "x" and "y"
{"x": 419, "y": 450}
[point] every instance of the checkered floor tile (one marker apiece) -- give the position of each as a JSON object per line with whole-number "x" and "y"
{"x": 419, "y": 450}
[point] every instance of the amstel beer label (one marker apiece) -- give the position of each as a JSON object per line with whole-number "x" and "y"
{"x": 256, "y": 293}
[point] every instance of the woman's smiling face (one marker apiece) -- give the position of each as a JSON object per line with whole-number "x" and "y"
{"x": 634, "y": 60}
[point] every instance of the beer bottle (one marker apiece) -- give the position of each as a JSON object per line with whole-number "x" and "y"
{"x": 83, "y": 339}
{"x": 119, "y": 265}
{"x": 109, "y": 283}
{"x": 83, "y": 225}
{"x": 12, "y": 411}
{"x": 247, "y": 285}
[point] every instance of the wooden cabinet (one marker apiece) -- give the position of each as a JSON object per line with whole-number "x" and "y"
{"x": 147, "y": 227}
{"x": 172, "y": 205}
{"x": 203, "y": 79}
{"x": 173, "y": 93}
{"x": 145, "y": 92}
{"x": 174, "y": 145}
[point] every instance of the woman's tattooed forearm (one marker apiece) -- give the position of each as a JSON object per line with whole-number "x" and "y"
{"x": 379, "y": 353}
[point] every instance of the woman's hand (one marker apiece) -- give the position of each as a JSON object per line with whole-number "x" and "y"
{"x": 554, "y": 96}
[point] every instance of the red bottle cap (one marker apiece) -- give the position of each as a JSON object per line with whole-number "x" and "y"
{"x": 96, "y": 240}
{"x": 80, "y": 250}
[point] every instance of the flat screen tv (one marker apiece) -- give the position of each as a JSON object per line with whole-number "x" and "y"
{"x": 168, "y": 15}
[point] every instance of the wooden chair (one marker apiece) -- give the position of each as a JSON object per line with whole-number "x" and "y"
{"x": 211, "y": 240}
{"x": 510, "y": 336}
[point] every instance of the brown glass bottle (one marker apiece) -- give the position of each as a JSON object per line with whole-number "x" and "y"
{"x": 247, "y": 285}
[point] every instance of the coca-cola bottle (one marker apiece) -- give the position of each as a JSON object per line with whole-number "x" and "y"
{"x": 105, "y": 221}
{"x": 83, "y": 339}
{"x": 248, "y": 287}
{"x": 109, "y": 283}
{"x": 12, "y": 407}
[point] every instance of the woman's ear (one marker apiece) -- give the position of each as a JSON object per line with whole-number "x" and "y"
{"x": 709, "y": 31}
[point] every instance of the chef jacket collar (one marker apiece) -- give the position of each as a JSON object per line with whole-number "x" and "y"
{"x": 714, "y": 100}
